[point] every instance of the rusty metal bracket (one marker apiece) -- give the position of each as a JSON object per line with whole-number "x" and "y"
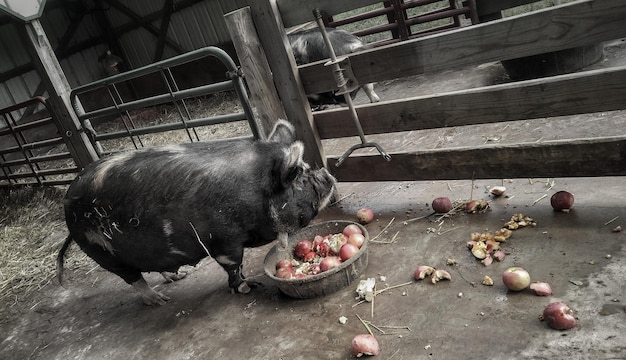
{"x": 349, "y": 81}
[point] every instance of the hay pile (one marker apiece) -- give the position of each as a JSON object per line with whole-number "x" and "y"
{"x": 32, "y": 228}
{"x": 200, "y": 107}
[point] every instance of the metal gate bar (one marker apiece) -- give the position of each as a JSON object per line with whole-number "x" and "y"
{"x": 25, "y": 161}
{"x": 173, "y": 95}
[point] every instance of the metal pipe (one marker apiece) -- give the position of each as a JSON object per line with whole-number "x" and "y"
{"x": 341, "y": 84}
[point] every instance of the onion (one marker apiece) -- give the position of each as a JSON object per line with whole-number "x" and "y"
{"x": 541, "y": 288}
{"x": 499, "y": 255}
{"x": 516, "y": 278}
{"x": 347, "y": 251}
{"x": 284, "y": 273}
{"x": 285, "y": 263}
{"x": 303, "y": 247}
{"x": 423, "y": 271}
{"x": 365, "y": 344}
{"x": 357, "y": 240}
{"x": 559, "y": 316}
{"x": 351, "y": 229}
{"x": 442, "y": 205}
{"x": 317, "y": 240}
{"x": 329, "y": 262}
{"x": 314, "y": 268}
{"x": 497, "y": 190}
{"x": 562, "y": 201}
{"x": 439, "y": 275}
{"x": 365, "y": 215}
{"x": 309, "y": 256}
{"x": 323, "y": 249}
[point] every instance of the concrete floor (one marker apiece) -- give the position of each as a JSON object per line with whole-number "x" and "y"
{"x": 97, "y": 316}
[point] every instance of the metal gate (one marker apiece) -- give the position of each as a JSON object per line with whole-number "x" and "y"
{"x": 32, "y": 152}
{"x": 130, "y": 118}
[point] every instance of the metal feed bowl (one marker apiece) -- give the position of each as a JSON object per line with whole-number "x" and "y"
{"x": 325, "y": 282}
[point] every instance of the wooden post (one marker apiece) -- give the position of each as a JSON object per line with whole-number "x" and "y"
{"x": 268, "y": 22}
{"x": 52, "y": 76}
{"x": 263, "y": 95}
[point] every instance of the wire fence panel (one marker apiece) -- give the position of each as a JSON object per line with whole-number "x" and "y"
{"x": 32, "y": 152}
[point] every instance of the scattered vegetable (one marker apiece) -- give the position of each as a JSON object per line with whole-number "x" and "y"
{"x": 541, "y": 288}
{"x": 562, "y": 201}
{"x": 559, "y": 316}
{"x": 442, "y": 205}
{"x": 476, "y": 206}
{"x": 497, "y": 190}
{"x": 516, "y": 278}
{"x": 423, "y": 271}
{"x": 364, "y": 215}
{"x": 365, "y": 344}
{"x": 440, "y": 275}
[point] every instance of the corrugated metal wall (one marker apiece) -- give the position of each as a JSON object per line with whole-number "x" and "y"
{"x": 191, "y": 28}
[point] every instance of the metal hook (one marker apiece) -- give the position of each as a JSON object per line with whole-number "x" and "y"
{"x": 342, "y": 84}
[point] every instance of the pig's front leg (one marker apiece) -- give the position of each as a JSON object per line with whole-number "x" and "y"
{"x": 236, "y": 280}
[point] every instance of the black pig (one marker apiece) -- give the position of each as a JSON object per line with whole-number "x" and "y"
{"x": 308, "y": 46}
{"x": 160, "y": 208}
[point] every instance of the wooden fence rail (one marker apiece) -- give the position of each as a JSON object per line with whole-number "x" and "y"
{"x": 580, "y": 23}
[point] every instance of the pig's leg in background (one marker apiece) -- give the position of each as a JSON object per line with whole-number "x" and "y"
{"x": 369, "y": 91}
{"x": 173, "y": 276}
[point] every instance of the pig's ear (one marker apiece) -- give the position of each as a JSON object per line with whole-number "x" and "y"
{"x": 293, "y": 165}
{"x": 283, "y": 133}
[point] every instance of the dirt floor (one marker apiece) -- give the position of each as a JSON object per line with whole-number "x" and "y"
{"x": 95, "y": 315}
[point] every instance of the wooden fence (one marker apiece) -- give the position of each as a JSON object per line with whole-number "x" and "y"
{"x": 575, "y": 24}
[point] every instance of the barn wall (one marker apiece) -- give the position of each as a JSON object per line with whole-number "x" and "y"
{"x": 191, "y": 28}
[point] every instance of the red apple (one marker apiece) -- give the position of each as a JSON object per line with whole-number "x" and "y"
{"x": 330, "y": 262}
{"x": 351, "y": 229}
{"x": 356, "y": 240}
{"x": 285, "y": 263}
{"x": 303, "y": 247}
{"x": 347, "y": 251}
{"x": 516, "y": 278}
{"x": 365, "y": 215}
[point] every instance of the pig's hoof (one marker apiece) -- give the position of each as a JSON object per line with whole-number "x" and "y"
{"x": 171, "y": 277}
{"x": 149, "y": 295}
{"x": 243, "y": 288}
{"x": 155, "y": 299}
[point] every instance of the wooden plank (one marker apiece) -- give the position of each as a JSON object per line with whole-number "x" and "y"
{"x": 286, "y": 78}
{"x": 563, "y": 158}
{"x": 484, "y": 7}
{"x": 296, "y": 12}
{"x": 49, "y": 69}
{"x": 576, "y": 24}
{"x": 263, "y": 95}
{"x": 578, "y": 93}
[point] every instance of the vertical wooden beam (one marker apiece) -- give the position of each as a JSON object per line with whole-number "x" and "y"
{"x": 168, "y": 8}
{"x": 269, "y": 24}
{"x": 51, "y": 74}
{"x": 263, "y": 95}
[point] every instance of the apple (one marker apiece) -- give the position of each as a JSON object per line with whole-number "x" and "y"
{"x": 516, "y": 278}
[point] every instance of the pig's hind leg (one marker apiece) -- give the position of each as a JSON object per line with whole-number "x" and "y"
{"x": 104, "y": 258}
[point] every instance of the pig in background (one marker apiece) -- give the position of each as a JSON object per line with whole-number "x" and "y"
{"x": 160, "y": 208}
{"x": 308, "y": 46}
